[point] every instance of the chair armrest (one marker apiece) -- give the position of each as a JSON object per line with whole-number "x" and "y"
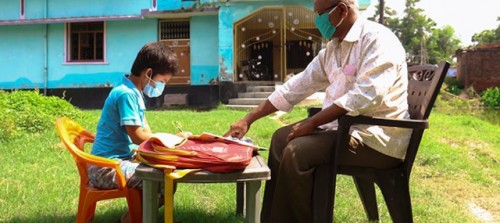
{"x": 347, "y": 121}
{"x": 101, "y": 161}
{"x": 105, "y": 162}
{"x": 312, "y": 111}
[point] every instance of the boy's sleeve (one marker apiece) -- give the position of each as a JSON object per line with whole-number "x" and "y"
{"x": 128, "y": 107}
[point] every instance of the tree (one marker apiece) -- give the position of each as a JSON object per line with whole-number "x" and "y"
{"x": 487, "y": 36}
{"x": 422, "y": 41}
{"x": 442, "y": 45}
{"x": 390, "y": 18}
{"x": 415, "y": 28}
{"x": 381, "y": 7}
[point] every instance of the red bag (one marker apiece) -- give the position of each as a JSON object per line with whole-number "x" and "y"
{"x": 213, "y": 153}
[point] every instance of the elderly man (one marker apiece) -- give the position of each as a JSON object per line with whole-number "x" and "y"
{"x": 364, "y": 72}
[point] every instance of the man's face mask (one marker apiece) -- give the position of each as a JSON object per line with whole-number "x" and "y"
{"x": 324, "y": 26}
{"x": 156, "y": 91}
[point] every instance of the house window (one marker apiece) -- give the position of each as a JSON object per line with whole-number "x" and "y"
{"x": 174, "y": 30}
{"x": 21, "y": 9}
{"x": 85, "y": 42}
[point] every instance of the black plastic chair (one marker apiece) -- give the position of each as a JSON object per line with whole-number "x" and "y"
{"x": 424, "y": 84}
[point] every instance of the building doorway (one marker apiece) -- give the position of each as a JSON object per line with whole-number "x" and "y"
{"x": 175, "y": 34}
{"x": 274, "y": 42}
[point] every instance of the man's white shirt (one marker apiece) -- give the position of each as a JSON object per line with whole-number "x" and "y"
{"x": 365, "y": 74}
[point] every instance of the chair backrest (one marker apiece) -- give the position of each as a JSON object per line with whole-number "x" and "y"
{"x": 74, "y": 137}
{"x": 424, "y": 84}
{"x": 423, "y": 88}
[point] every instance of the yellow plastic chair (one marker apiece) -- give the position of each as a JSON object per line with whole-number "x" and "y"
{"x": 74, "y": 137}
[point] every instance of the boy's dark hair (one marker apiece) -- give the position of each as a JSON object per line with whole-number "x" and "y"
{"x": 157, "y": 56}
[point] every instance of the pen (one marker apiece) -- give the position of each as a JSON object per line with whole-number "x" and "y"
{"x": 177, "y": 125}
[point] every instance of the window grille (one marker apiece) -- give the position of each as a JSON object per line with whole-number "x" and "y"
{"x": 174, "y": 30}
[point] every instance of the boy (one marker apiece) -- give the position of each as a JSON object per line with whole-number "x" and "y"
{"x": 123, "y": 125}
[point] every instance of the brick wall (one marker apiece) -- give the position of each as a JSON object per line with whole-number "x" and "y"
{"x": 479, "y": 67}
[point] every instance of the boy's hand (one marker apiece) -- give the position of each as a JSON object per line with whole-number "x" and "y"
{"x": 184, "y": 134}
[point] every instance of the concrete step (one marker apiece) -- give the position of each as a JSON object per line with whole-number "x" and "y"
{"x": 260, "y": 89}
{"x": 254, "y": 94}
{"x": 241, "y": 107}
{"x": 246, "y": 101}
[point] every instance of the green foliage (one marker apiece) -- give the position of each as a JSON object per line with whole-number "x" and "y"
{"x": 451, "y": 101}
{"x": 390, "y": 17}
{"x": 442, "y": 45}
{"x": 414, "y": 30}
{"x": 453, "y": 86}
{"x": 423, "y": 42}
{"x": 29, "y": 112}
{"x": 453, "y": 89}
{"x": 488, "y": 36}
{"x": 491, "y": 97}
{"x": 453, "y": 96}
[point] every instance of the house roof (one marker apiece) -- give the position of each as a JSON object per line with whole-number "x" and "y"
{"x": 68, "y": 19}
{"x": 482, "y": 47}
{"x": 180, "y": 13}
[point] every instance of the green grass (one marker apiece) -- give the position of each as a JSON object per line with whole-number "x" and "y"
{"x": 457, "y": 166}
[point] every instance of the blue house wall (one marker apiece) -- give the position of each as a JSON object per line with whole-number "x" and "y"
{"x": 33, "y": 53}
{"x": 26, "y": 53}
{"x": 43, "y": 9}
{"x": 204, "y": 49}
{"x": 22, "y": 56}
{"x": 179, "y": 4}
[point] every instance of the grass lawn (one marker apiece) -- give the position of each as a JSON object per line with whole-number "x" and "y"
{"x": 456, "y": 173}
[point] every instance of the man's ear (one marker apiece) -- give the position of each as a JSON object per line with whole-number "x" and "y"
{"x": 148, "y": 72}
{"x": 344, "y": 8}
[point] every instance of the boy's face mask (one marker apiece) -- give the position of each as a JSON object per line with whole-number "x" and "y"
{"x": 324, "y": 26}
{"x": 156, "y": 91}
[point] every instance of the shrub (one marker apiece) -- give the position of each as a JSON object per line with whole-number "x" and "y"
{"x": 29, "y": 112}
{"x": 452, "y": 85}
{"x": 491, "y": 97}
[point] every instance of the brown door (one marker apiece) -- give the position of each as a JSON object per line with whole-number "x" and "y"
{"x": 182, "y": 49}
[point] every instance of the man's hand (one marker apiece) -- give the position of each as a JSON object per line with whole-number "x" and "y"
{"x": 238, "y": 129}
{"x": 307, "y": 126}
{"x": 303, "y": 128}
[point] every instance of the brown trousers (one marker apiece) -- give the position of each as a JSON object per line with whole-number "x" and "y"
{"x": 288, "y": 195}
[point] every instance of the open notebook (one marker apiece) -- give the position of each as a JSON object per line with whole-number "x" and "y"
{"x": 205, "y": 136}
{"x": 171, "y": 141}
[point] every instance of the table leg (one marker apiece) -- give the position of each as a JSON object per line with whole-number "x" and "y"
{"x": 252, "y": 206}
{"x": 240, "y": 198}
{"x": 150, "y": 201}
{"x": 169, "y": 200}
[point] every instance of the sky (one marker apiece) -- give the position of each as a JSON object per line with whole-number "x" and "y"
{"x": 465, "y": 16}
